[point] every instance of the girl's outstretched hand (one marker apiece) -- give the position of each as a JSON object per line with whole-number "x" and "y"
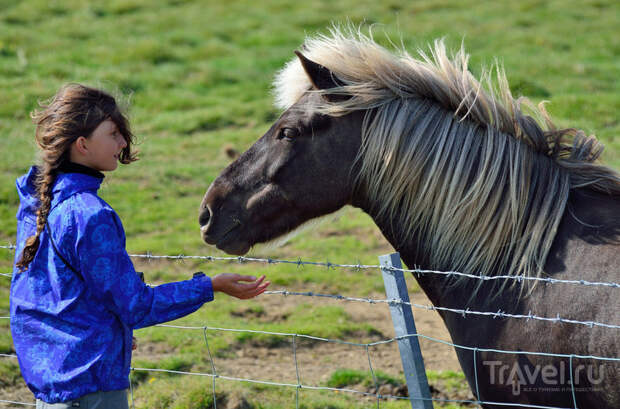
{"x": 239, "y": 286}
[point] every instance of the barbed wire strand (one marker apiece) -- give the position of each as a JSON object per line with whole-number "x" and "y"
{"x": 386, "y": 341}
{"x": 300, "y": 263}
{"x": 463, "y": 312}
{"x": 390, "y": 340}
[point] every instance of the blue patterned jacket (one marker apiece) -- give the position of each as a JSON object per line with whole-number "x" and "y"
{"x": 73, "y": 334}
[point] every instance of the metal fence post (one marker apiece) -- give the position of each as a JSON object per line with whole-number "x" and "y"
{"x": 402, "y": 317}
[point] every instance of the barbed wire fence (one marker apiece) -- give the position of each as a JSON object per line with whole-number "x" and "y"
{"x": 378, "y": 397}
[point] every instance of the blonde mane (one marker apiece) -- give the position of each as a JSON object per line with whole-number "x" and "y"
{"x": 476, "y": 179}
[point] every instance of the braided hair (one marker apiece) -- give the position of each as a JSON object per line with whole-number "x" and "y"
{"x": 76, "y": 110}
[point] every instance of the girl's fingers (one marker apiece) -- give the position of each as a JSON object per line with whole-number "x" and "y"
{"x": 250, "y": 286}
{"x": 260, "y": 280}
{"x": 260, "y": 289}
{"x": 250, "y": 278}
{"x": 253, "y": 292}
{"x": 257, "y": 282}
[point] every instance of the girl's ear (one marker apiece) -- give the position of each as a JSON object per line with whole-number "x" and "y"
{"x": 80, "y": 145}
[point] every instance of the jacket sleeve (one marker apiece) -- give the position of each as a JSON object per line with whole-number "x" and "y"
{"x": 110, "y": 274}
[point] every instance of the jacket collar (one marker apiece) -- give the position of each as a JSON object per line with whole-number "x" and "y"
{"x": 74, "y": 179}
{"x": 72, "y": 167}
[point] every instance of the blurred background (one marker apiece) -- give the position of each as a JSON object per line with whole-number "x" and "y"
{"x": 196, "y": 76}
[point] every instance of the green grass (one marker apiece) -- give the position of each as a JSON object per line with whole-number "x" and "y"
{"x": 446, "y": 382}
{"x": 163, "y": 392}
{"x": 197, "y": 76}
{"x": 347, "y": 377}
{"x": 9, "y": 373}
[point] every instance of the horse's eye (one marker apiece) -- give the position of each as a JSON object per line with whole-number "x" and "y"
{"x": 288, "y": 133}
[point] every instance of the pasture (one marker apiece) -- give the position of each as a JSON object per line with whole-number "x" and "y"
{"x": 197, "y": 76}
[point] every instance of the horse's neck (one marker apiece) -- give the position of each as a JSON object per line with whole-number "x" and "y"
{"x": 434, "y": 286}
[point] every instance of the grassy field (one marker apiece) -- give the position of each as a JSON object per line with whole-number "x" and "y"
{"x": 197, "y": 76}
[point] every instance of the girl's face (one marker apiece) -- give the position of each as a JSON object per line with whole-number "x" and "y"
{"x": 101, "y": 149}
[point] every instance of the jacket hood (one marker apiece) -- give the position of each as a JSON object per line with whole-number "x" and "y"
{"x": 65, "y": 185}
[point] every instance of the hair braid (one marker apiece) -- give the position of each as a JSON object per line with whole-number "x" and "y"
{"x": 44, "y": 182}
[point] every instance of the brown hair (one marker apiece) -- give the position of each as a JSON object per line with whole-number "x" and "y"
{"x": 75, "y": 110}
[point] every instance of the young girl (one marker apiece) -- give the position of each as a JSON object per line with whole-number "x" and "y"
{"x": 75, "y": 296}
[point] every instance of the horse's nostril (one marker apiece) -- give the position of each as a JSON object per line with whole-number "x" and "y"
{"x": 205, "y": 215}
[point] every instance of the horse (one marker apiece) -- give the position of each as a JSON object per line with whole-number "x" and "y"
{"x": 459, "y": 176}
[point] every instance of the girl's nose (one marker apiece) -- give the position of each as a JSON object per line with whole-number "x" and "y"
{"x": 123, "y": 143}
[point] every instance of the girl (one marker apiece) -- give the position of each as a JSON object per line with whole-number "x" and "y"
{"x": 75, "y": 296}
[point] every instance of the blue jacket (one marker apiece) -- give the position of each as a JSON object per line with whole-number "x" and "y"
{"x": 72, "y": 334}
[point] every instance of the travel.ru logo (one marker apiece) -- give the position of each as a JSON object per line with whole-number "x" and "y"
{"x": 530, "y": 378}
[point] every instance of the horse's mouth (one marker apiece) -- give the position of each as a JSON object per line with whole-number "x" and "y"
{"x": 229, "y": 241}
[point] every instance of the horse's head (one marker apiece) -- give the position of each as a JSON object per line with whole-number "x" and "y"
{"x": 299, "y": 170}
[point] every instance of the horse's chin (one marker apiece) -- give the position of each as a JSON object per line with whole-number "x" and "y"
{"x": 235, "y": 249}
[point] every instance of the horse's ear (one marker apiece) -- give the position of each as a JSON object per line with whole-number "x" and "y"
{"x": 321, "y": 77}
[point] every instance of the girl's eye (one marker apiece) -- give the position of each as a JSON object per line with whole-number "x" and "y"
{"x": 288, "y": 133}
